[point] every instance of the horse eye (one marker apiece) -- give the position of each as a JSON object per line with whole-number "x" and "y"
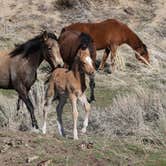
{"x": 49, "y": 48}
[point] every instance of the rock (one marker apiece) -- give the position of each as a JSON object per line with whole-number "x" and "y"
{"x": 129, "y": 11}
{"x": 44, "y": 163}
{"x": 30, "y": 159}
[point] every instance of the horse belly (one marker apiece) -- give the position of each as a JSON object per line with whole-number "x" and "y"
{"x": 100, "y": 38}
{"x": 4, "y": 78}
{"x": 5, "y": 81}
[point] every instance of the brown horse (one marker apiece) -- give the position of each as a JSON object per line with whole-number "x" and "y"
{"x": 19, "y": 67}
{"x": 110, "y": 34}
{"x": 69, "y": 43}
{"x": 71, "y": 83}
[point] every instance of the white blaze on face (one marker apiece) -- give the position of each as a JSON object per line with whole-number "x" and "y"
{"x": 89, "y": 61}
{"x": 57, "y": 57}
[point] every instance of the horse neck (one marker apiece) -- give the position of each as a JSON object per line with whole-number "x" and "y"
{"x": 133, "y": 40}
{"x": 79, "y": 75}
{"x": 35, "y": 59}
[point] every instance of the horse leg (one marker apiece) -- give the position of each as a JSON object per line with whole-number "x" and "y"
{"x": 92, "y": 87}
{"x": 49, "y": 97}
{"x": 105, "y": 56}
{"x": 19, "y": 103}
{"x": 59, "y": 110}
{"x": 73, "y": 99}
{"x": 45, "y": 110}
{"x": 113, "y": 55}
{"x": 24, "y": 96}
{"x": 87, "y": 108}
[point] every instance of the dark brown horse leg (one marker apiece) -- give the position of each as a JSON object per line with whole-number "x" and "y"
{"x": 92, "y": 87}
{"x": 113, "y": 55}
{"x": 18, "y": 104}
{"x": 105, "y": 56}
{"x": 59, "y": 110}
{"x": 30, "y": 108}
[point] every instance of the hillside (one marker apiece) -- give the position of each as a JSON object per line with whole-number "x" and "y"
{"x": 128, "y": 119}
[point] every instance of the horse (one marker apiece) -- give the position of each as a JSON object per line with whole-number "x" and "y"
{"x": 109, "y": 35}
{"x": 65, "y": 83}
{"x": 19, "y": 67}
{"x": 69, "y": 43}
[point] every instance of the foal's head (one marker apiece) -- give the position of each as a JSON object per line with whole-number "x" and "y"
{"x": 51, "y": 49}
{"x": 86, "y": 62}
{"x": 142, "y": 54}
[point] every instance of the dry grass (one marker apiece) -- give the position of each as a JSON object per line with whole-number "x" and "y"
{"x": 128, "y": 120}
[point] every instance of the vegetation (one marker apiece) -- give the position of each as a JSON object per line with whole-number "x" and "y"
{"x": 128, "y": 119}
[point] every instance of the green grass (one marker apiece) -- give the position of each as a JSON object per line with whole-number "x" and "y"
{"x": 104, "y": 96}
{"x": 8, "y": 93}
{"x": 156, "y": 158}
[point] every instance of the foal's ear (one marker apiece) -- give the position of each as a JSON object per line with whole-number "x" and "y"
{"x": 45, "y": 36}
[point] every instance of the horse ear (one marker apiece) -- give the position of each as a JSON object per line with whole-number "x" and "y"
{"x": 45, "y": 36}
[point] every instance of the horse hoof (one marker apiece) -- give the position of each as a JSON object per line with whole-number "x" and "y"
{"x": 75, "y": 138}
{"x": 91, "y": 100}
{"x": 100, "y": 68}
{"x": 83, "y": 130}
{"x": 43, "y": 131}
{"x": 34, "y": 130}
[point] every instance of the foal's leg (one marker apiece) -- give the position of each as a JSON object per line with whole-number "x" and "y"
{"x": 49, "y": 97}
{"x": 87, "y": 108}
{"x": 73, "y": 99}
{"x": 59, "y": 110}
{"x": 45, "y": 110}
{"x": 104, "y": 58}
{"x": 24, "y": 96}
{"x": 92, "y": 87}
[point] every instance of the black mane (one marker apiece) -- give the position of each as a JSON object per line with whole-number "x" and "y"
{"x": 31, "y": 45}
{"x": 85, "y": 41}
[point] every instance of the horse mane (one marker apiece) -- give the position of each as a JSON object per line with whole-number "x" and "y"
{"x": 145, "y": 47}
{"x": 31, "y": 45}
{"x": 85, "y": 41}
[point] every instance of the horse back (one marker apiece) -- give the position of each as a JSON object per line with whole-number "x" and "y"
{"x": 103, "y": 33}
{"x": 68, "y": 45}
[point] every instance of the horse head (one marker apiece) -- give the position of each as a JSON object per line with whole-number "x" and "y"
{"x": 51, "y": 49}
{"x": 86, "y": 62}
{"x": 142, "y": 54}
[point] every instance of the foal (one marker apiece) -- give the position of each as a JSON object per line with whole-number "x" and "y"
{"x": 65, "y": 83}
{"x": 69, "y": 42}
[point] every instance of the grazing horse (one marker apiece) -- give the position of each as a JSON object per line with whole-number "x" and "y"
{"x": 69, "y": 43}
{"x": 110, "y": 34}
{"x": 71, "y": 83}
{"x": 19, "y": 67}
